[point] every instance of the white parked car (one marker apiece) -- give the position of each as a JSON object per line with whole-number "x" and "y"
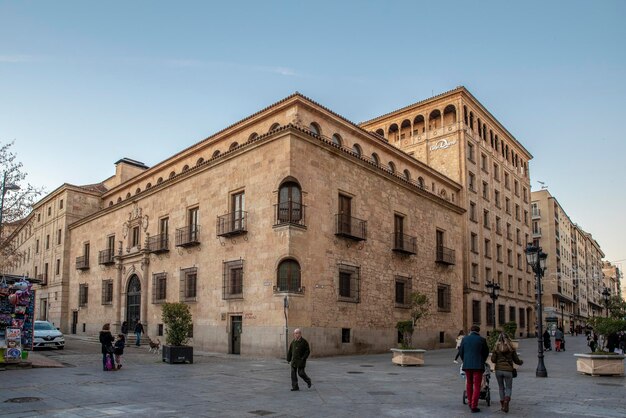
{"x": 46, "y": 335}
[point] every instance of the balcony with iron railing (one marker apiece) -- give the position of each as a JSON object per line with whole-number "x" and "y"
{"x": 43, "y": 278}
{"x": 289, "y": 213}
{"x": 105, "y": 257}
{"x": 82, "y": 262}
{"x": 445, "y": 255}
{"x": 188, "y": 236}
{"x": 158, "y": 243}
{"x": 350, "y": 227}
{"x": 232, "y": 224}
{"x": 403, "y": 243}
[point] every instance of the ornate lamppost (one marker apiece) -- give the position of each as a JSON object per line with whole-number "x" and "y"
{"x": 606, "y": 293}
{"x": 285, "y": 309}
{"x": 536, "y": 259}
{"x": 494, "y": 291}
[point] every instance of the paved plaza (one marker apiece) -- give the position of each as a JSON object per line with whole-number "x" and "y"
{"x": 219, "y": 385}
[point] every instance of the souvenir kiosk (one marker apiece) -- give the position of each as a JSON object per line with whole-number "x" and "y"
{"x": 17, "y": 318}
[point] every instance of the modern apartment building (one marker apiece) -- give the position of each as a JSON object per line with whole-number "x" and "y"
{"x": 456, "y": 135}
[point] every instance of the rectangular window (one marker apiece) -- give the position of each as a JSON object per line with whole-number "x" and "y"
{"x": 485, "y": 190}
{"x": 507, "y": 205}
{"x": 496, "y": 172}
{"x": 134, "y": 237}
{"x": 345, "y": 335}
{"x": 232, "y": 287}
{"x": 500, "y": 279}
{"x": 61, "y": 204}
{"x": 522, "y": 318}
{"x": 509, "y": 284}
{"x": 111, "y": 244}
{"x": 237, "y": 203}
{"x": 516, "y": 186}
{"x": 517, "y": 213}
{"x": 509, "y": 258}
{"x": 107, "y": 292}
{"x": 57, "y": 270}
{"x": 47, "y": 242}
{"x": 506, "y": 181}
{"x": 83, "y": 295}
{"x": 518, "y": 236}
{"x": 528, "y": 292}
{"x": 189, "y": 284}
{"x": 471, "y": 182}
{"x": 403, "y": 291}
{"x": 525, "y": 194}
{"x": 49, "y": 210}
{"x": 476, "y": 312}
{"x": 486, "y": 219}
{"x": 512, "y": 311}
{"x": 487, "y": 274}
{"x": 501, "y": 315}
{"x": 489, "y": 310}
{"x": 496, "y": 197}
{"x": 526, "y": 217}
{"x": 474, "y": 273}
{"x": 499, "y": 253}
{"x": 483, "y": 162}
{"x": 487, "y": 248}
{"x": 348, "y": 283}
{"x": 472, "y": 212}
{"x": 59, "y": 235}
{"x": 519, "y": 286}
{"x": 508, "y": 231}
{"x": 474, "y": 243}
{"x": 443, "y": 297}
{"x": 519, "y": 262}
{"x": 498, "y": 225}
{"x": 37, "y": 247}
{"x": 470, "y": 152}
{"x": 159, "y": 287}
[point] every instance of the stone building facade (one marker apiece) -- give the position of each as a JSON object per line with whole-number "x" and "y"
{"x": 456, "y": 135}
{"x": 288, "y": 204}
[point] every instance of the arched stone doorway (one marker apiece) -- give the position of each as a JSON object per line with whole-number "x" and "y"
{"x": 133, "y": 302}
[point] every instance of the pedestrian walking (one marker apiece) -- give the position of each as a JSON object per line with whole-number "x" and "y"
{"x": 547, "y": 345}
{"x": 118, "y": 349}
{"x": 298, "y": 353}
{"x": 474, "y": 353}
{"x": 106, "y": 342}
{"x": 459, "y": 338}
{"x": 503, "y": 357}
{"x": 558, "y": 339}
{"x": 138, "y": 331}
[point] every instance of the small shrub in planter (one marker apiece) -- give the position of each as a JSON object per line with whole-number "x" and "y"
{"x": 178, "y": 326}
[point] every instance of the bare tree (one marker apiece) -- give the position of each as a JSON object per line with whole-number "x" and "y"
{"x": 17, "y": 199}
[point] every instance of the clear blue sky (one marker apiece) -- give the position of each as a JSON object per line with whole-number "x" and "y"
{"x": 85, "y": 83}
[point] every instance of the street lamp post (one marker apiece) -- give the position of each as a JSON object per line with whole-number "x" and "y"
{"x": 5, "y": 188}
{"x": 285, "y": 309}
{"x": 562, "y": 308}
{"x": 536, "y": 259}
{"x": 494, "y": 291}
{"x": 606, "y": 293}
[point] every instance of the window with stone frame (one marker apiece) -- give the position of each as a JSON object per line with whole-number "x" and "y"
{"x": 444, "y": 302}
{"x": 189, "y": 284}
{"x": 83, "y": 295}
{"x": 522, "y": 318}
{"x": 512, "y": 312}
{"x": 288, "y": 277}
{"x": 501, "y": 314}
{"x": 476, "y": 312}
{"x": 402, "y": 291}
{"x": 348, "y": 283}
{"x": 107, "y": 292}
{"x": 472, "y": 212}
{"x": 159, "y": 287}
{"x": 232, "y": 283}
{"x": 489, "y": 309}
{"x": 474, "y": 273}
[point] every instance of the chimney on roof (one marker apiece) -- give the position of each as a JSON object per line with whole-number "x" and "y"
{"x": 126, "y": 168}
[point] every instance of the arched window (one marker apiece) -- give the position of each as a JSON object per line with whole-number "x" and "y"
{"x": 172, "y": 174}
{"x": 392, "y": 167}
{"x": 375, "y": 159}
{"x": 149, "y": 185}
{"x": 471, "y": 121}
{"x": 274, "y": 126}
{"x": 420, "y": 182}
{"x": 407, "y": 175}
{"x": 253, "y": 136}
{"x": 393, "y": 132}
{"x": 138, "y": 190}
{"x": 288, "y": 279}
{"x": 480, "y": 131}
{"x": 290, "y": 209}
{"x": 315, "y": 128}
{"x": 337, "y": 140}
{"x": 380, "y": 132}
{"x": 200, "y": 161}
{"x": 128, "y": 195}
{"x": 233, "y": 146}
{"x": 119, "y": 199}
{"x": 356, "y": 148}
{"x": 186, "y": 167}
{"x": 405, "y": 129}
{"x": 449, "y": 115}
{"x": 419, "y": 126}
{"x": 465, "y": 114}
{"x": 434, "y": 120}
{"x": 216, "y": 153}
{"x": 160, "y": 180}
{"x": 111, "y": 203}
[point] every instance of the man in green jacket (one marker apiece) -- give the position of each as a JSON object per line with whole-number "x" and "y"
{"x": 298, "y": 353}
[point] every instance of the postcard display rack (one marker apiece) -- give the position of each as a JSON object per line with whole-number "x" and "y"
{"x": 17, "y": 313}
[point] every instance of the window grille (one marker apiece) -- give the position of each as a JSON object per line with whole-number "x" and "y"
{"x": 349, "y": 281}
{"x": 232, "y": 284}
{"x": 443, "y": 297}
{"x": 83, "y": 295}
{"x": 402, "y": 291}
{"x": 107, "y": 292}
{"x": 188, "y": 284}
{"x": 159, "y": 287}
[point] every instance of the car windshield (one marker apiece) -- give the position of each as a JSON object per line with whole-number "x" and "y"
{"x": 44, "y": 326}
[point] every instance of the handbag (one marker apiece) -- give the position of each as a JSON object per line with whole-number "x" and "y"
{"x": 514, "y": 372}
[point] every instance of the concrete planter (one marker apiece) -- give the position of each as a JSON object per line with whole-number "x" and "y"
{"x": 408, "y": 357}
{"x": 177, "y": 354}
{"x": 600, "y": 364}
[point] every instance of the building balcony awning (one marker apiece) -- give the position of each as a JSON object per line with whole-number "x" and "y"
{"x": 563, "y": 297}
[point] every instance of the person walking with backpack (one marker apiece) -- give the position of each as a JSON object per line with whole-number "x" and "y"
{"x": 503, "y": 357}
{"x": 474, "y": 352}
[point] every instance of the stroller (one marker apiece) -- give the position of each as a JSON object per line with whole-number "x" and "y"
{"x": 485, "y": 392}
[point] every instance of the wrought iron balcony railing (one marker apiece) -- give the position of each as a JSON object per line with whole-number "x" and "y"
{"x": 404, "y": 243}
{"x": 350, "y": 227}
{"x": 82, "y": 262}
{"x": 445, "y": 255}
{"x": 188, "y": 236}
{"x": 231, "y": 224}
{"x": 105, "y": 257}
{"x": 157, "y": 244}
{"x": 289, "y": 213}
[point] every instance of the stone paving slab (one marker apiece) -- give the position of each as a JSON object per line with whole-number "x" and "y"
{"x": 220, "y": 385}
